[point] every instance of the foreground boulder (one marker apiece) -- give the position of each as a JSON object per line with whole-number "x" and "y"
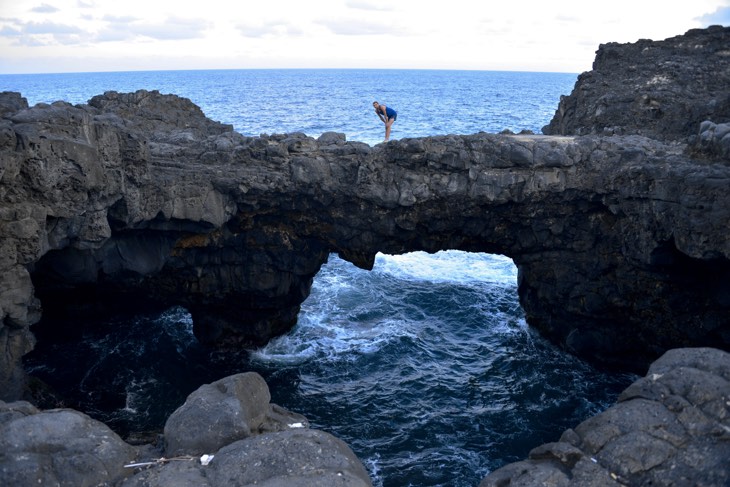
{"x": 226, "y": 434}
{"x": 670, "y": 428}
{"x": 295, "y": 458}
{"x": 59, "y": 447}
{"x": 227, "y": 410}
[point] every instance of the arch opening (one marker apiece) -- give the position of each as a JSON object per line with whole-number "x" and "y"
{"x": 425, "y": 359}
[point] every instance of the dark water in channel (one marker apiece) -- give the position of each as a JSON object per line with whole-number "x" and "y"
{"x": 424, "y": 366}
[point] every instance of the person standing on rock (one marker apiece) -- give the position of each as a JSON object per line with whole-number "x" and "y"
{"x": 387, "y": 115}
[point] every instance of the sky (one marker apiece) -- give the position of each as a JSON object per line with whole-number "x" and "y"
{"x": 56, "y": 36}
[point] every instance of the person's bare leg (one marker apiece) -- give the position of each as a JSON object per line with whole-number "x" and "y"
{"x": 387, "y": 129}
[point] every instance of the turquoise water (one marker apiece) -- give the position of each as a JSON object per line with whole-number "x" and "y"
{"x": 424, "y": 365}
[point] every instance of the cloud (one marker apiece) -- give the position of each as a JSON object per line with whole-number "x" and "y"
{"x": 369, "y": 5}
{"x": 44, "y": 8}
{"x": 41, "y": 33}
{"x": 721, "y": 16}
{"x": 51, "y": 28}
{"x": 83, "y": 4}
{"x": 10, "y": 32}
{"x": 269, "y": 29}
{"x": 115, "y": 28}
{"x": 172, "y": 29}
{"x": 128, "y": 27}
{"x": 121, "y": 20}
{"x": 360, "y": 27}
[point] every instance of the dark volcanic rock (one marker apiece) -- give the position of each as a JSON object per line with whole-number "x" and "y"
{"x": 621, "y": 242}
{"x": 58, "y": 447}
{"x": 661, "y": 89}
{"x": 670, "y": 428}
{"x": 138, "y": 200}
{"x": 227, "y": 410}
{"x": 226, "y": 434}
{"x": 295, "y": 458}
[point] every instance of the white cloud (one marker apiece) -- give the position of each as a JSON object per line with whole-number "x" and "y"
{"x": 44, "y": 8}
{"x": 360, "y": 27}
{"x": 270, "y": 29}
{"x": 721, "y": 16}
{"x": 534, "y": 35}
{"x": 52, "y": 28}
{"x": 172, "y": 28}
{"x": 370, "y": 5}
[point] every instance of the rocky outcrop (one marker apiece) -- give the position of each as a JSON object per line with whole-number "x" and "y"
{"x": 661, "y": 89}
{"x": 669, "y": 428}
{"x": 138, "y": 200}
{"x": 230, "y": 409}
{"x": 294, "y": 458}
{"x": 58, "y": 447}
{"x": 227, "y": 433}
{"x": 621, "y": 242}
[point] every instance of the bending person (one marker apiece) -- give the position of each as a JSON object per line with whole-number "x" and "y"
{"x": 387, "y": 115}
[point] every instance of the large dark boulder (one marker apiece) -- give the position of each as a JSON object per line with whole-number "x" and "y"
{"x": 59, "y": 447}
{"x": 224, "y": 411}
{"x": 295, "y": 458}
{"x": 670, "y": 428}
{"x": 228, "y": 434}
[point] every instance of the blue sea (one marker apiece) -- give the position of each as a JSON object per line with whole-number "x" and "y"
{"x": 424, "y": 365}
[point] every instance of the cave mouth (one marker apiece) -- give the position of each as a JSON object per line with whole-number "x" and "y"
{"x": 422, "y": 362}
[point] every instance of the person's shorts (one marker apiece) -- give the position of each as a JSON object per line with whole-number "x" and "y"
{"x": 394, "y": 117}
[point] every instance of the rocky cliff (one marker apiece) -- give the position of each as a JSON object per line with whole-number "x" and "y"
{"x": 621, "y": 241}
{"x": 662, "y": 89}
{"x": 619, "y": 227}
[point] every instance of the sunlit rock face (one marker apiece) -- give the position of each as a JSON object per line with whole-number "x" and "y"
{"x": 138, "y": 200}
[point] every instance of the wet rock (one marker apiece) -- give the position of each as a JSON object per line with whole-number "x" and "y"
{"x": 672, "y": 427}
{"x": 303, "y": 457}
{"x": 228, "y": 434}
{"x": 224, "y": 411}
{"x": 59, "y": 447}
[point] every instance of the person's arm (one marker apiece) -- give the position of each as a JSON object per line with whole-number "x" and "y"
{"x": 380, "y": 115}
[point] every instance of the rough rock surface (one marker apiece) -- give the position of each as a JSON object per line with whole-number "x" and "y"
{"x": 247, "y": 441}
{"x": 251, "y": 441}
{"x": 227, "y": 410}
{"x": 662, "y": 89}
{"x": 58, "y": 447}
{"x": 670, "y": 428}
{"x": 304, "y": 457}
{"x": 621, "y": 242}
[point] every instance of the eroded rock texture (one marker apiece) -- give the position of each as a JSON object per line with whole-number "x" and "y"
{"x": 661, "y": 89}
{"x": 670, "y": 428}
{"x": 138, "y": 200}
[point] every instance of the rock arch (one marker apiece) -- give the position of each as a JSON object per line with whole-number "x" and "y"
{"x": 621, "y": 242}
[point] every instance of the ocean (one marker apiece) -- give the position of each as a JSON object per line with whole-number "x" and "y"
{"x": 424, "y": 365}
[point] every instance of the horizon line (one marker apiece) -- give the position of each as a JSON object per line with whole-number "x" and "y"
{"x": 285, "y": 69}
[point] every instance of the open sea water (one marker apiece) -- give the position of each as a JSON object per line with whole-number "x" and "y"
{"x": 424, "y": 365}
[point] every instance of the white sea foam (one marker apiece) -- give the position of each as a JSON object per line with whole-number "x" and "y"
{"x": 449, "y": 266}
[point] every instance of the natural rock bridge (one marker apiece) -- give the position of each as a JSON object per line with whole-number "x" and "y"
{"x": 622, "y": 242}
